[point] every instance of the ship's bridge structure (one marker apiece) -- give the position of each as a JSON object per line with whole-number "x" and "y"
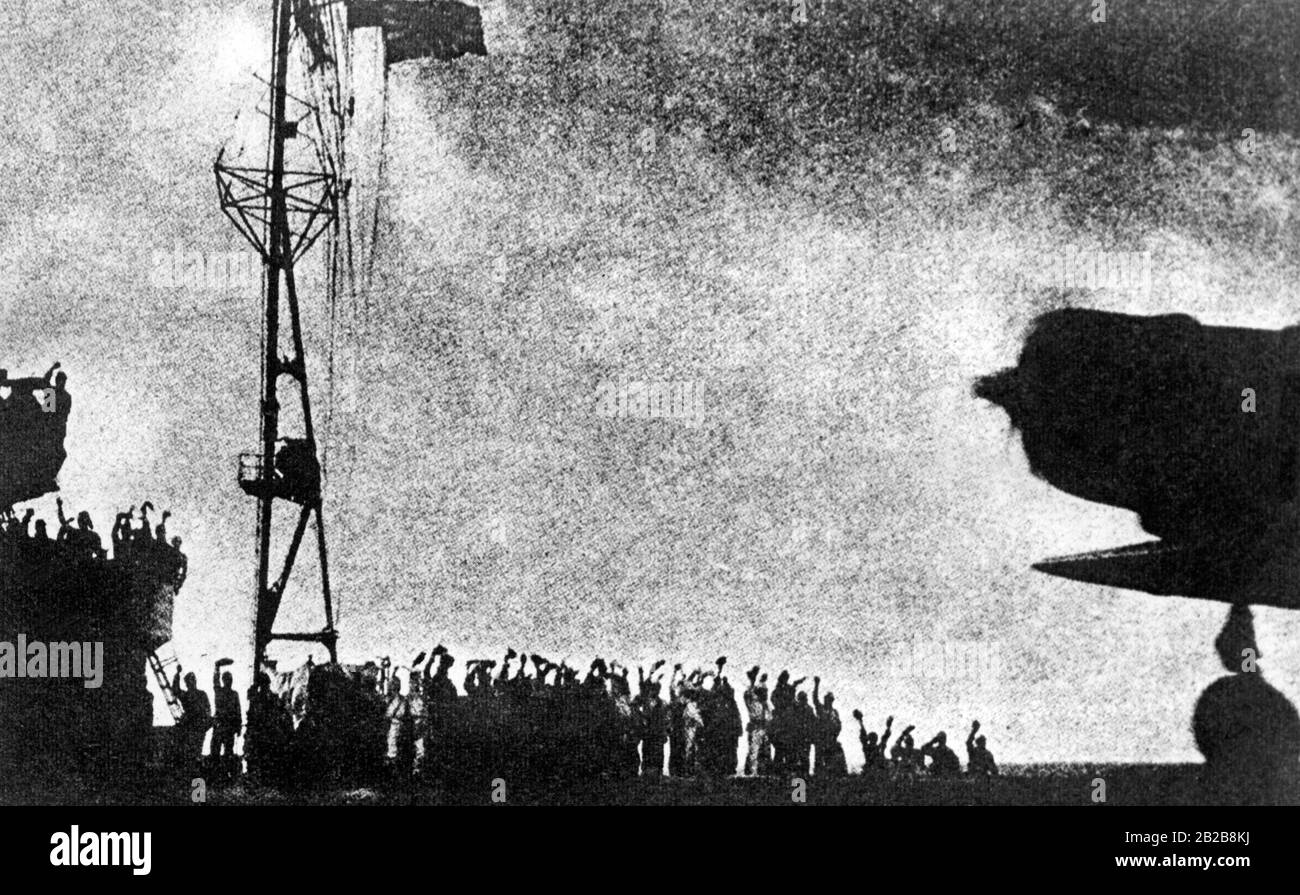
{"x": 71, "y": 591}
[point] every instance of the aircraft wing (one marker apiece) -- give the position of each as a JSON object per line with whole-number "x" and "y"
{"x": 1260, "y": 567}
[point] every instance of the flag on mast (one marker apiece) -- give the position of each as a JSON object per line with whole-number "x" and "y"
{"x": 418, "y": 29}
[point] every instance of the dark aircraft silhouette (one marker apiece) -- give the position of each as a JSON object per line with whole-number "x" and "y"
{"x": 1152, "y": 414}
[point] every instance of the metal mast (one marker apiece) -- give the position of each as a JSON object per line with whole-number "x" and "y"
{"x": 281, "y": 213}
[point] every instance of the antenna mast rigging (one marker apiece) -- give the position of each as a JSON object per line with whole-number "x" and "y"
{"x": 281, "y": 213}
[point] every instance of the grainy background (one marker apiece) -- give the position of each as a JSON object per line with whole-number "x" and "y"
{"x": 833, "y": 228}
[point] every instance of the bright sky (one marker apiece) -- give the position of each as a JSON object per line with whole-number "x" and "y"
{"x": 844, "y": 498}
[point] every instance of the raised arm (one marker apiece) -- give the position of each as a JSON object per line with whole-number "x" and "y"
{"x": 120, "y": 526}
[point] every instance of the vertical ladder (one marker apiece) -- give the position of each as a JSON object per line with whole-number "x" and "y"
{"x": 159, "y": 669}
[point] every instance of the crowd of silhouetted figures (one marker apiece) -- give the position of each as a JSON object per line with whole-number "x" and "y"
{"x": 145, "y": 546}
{"x": 528, "y": 718}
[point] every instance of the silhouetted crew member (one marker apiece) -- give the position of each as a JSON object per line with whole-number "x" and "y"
{"x": 62, "y": 400}
{"x": 180, "y": 564}
{"x": 15, "y": 531}
{"x": 85, "y": 538}
{"x": 594, "y": 682}
{"x": 441, "y": 690}
{"x": 733, "y": 727}
{"x": 541, "y": 668}
{"x": 227, "y": 720}
{"x": 723, "y": 725}
{"x": 65, "y": 524}
{"x": 828, "y": 751}
{"x": 979, "y": 760}
{"x": 904, "y": 754}
{"x": 440, "y": 699}
{"x": 502, "y": 683}
{"x": 783, "y": 723}
{"x": 398, "y": 713}
{"x": 676, "y": 723}
{"x": 758, "y": 761}
{"x": 144, "y": 534}
{"x": 196, "y": 717}
{"x": 709, "y": 745}
{"x": 802, "y": 732}
{"x": 24, "y": 386}
{"x": 652, "y": 722}
{"x": 521, "y": 685}
{"x": 121, "y": 535}
{"x": 874, "y": 755}
{"x": 270, "y": 728}
{"x": 689, "y": 691}
{"x": 625, "y": 727}
{"x": 82, "y": 540}
{"x": 618, "y": 682}
{"x": 418, "y": 703}
{"x": 943, "y": 761}
{"x": 478, "y": 677}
